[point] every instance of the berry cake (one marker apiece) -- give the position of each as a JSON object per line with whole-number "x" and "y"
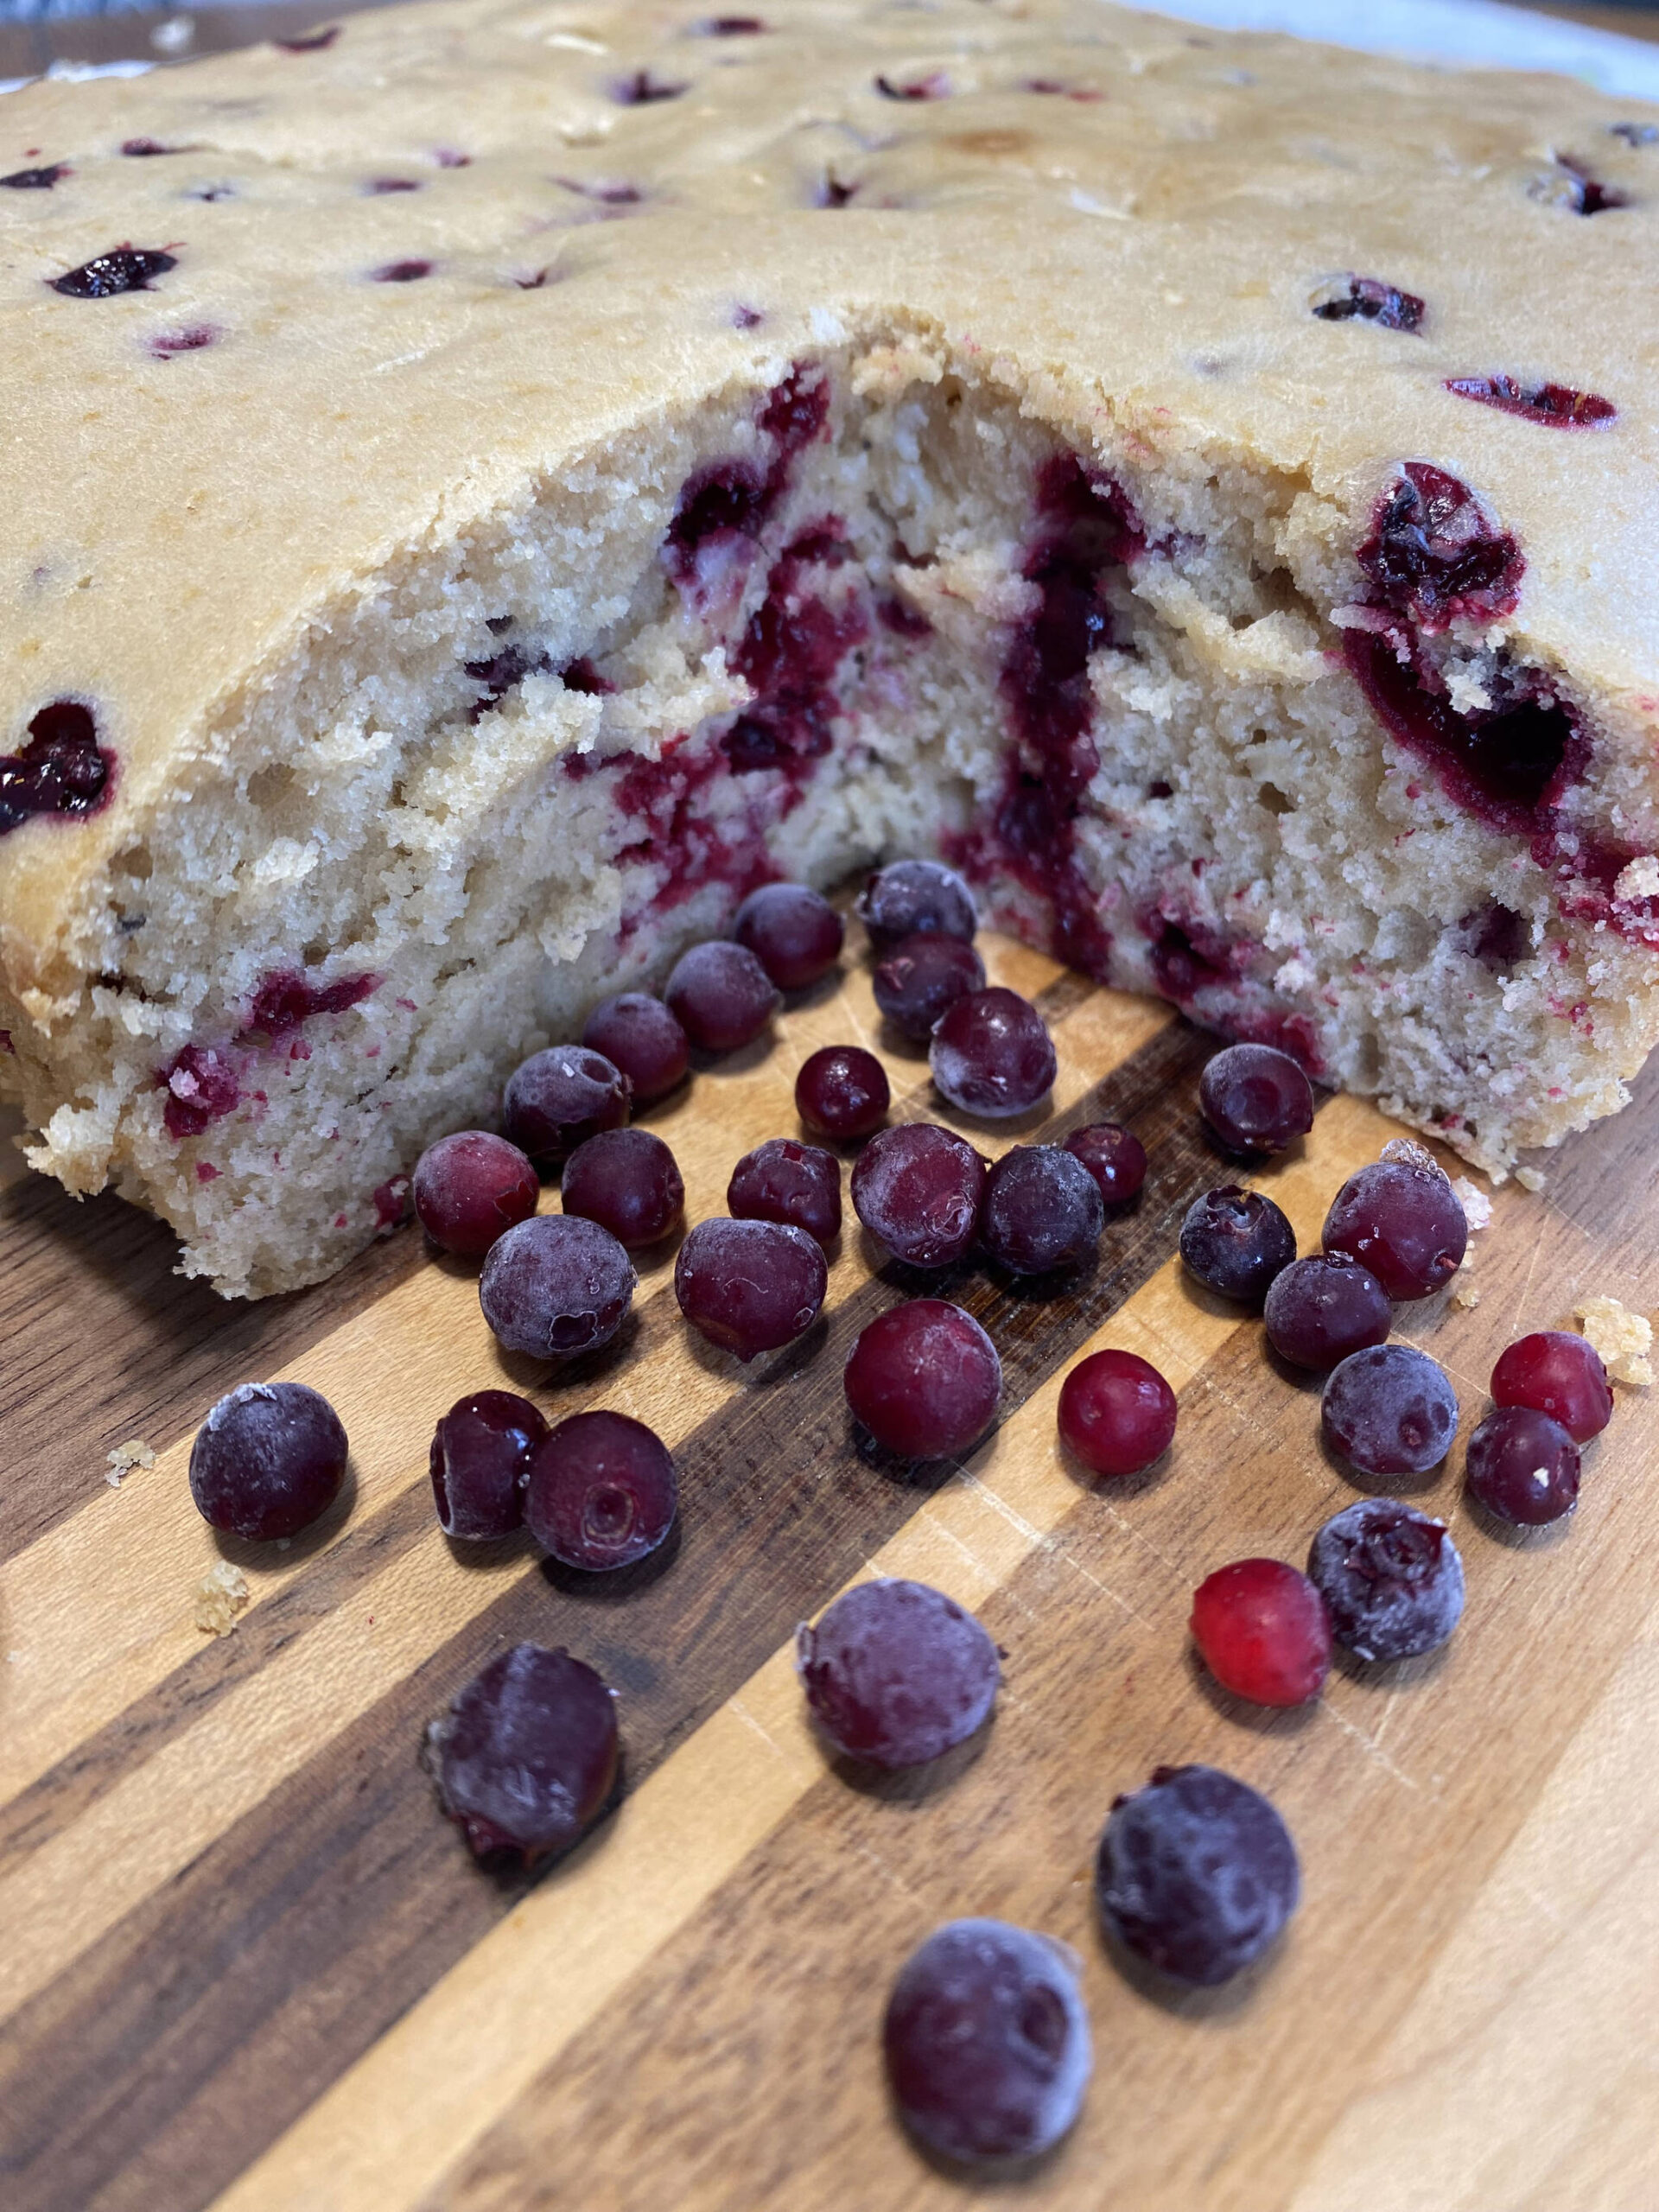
{"x": 493, "y": 484}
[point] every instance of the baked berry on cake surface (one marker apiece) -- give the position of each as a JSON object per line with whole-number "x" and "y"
{"x": 433, "y": 609}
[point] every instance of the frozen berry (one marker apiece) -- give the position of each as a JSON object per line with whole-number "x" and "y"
{"x": 1116, "y": 1413}
{"x": 1235, "y": 1242}
{"x": 841, "y": 1092}
{"x": 921, "y": 978}
{"x": 987, "y": 2042}
{"x": 896, "y": 1672}
{"x": 782, "y": 1180}
{"x": 1263, "y": 1632}
{"x": 1114, "y": 1156}
{"x": 641, "y": 1037}
{"x": 1320, "y": 1309}
{"x": 480, "y": 1451}
{"x": 992, "y": 1054}
{"x": 924, "y": 1379}
{"x": 1560, "y": 1373}
{"x": 1255, "y": 1098}
{"x": 525, "y": 1758}
{"x": 917, "y": 1188}
{"x": 1404, "y": 1221}
{"x": 914, "y": 898}
{"x": 627, "y": 1180}
{"x": 793, "y": 933}
{"x": 555, "y": 1286}
{"x": 557, "y": 1099}
{"x": 721, "y": 996}
{"x": 1389, "y": 1410}
{"x": 1391, "y": 1578}
{"x": 750, "y": 1286}
{"x": 469, "y": 1187}
{"x": 1196, "y": 1874}
{"x": 601, "y": 1491}
{"x": 1524, "y": 1466}
{"x": 1042, "y": 1210}
{"x": 268, "y": 1460}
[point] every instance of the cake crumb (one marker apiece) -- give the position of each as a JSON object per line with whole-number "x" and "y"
{"x": 221, "y": 1594}
{"x": 1638, "y": 878}
{"x": 135, "y": 1453}
{"x": 1465, "y": 1292}
{"x": 1406, "y": 1152}
{"x": 1623, "y": 1338}
{"x": 1477, "y": 1207}
{"x": 1529, "y": 1178}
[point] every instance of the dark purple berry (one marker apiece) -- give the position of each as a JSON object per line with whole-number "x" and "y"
{"x": 471, "y": 1187}
{"x": 1434, "y": 554}
{"x": 1403, "y": 1221}
{"x": 987, "y": 2042}
{"x": 843, "y": 1092}
{"x": 1116, "y": 1413}
{"x": 721, "y": 996}
{"x": 401, "y": 272}
{"x": 268, "y": 1460}
{"x": 924, "y": 1380}
{"x": 639, "y": 1034}
{"x": 1114, "y": 1156}
{"x": 525, "y": 1758}
{"x": 1196, "y": 1874}
{"x": 896, "y": 1672}
{"x": 555, "y": 1286}
{"x": 782, "y": 1180}
{"x": 40, "y": 180}
{"x": 992, "y": 1054}
{"x": 1389, "y": 1410}
{"x": 1235, "y": 1242}
{"x": 1391, "y": 1578}
{"x": 794, "y": 934}
{"x": 1042, "y": 1209}
{"x": 1369, "y": 300}
{"x": 61, "y": 769}
{"x": 1320, "y": 1309}
{"x": 481, "y": 1450}
{"x": 921, "y": 978}
{"x": 628, "y": 1182}
{"x": 123, "y": 269}
{"x": 1555, "y": 406}
{"x": 1524, "y": 1466}
{"x": 557, "y": 1099}
{"x": 915, "y": 897}
{"x": 750, "y": 1286}
{"x": 918, "y": 1189}
{"x": 1255, "y": 1099}
{"x": 601, "y": 1491}
{"x": 1560, "y": 1373}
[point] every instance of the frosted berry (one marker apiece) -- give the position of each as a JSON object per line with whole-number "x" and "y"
{"x": 628, "y": 1181}
{"x": 843, "y": 1092}
{"x": 1403, "y": 1222}
{"x": 481, "y": 1450}
{"x": 557, "y": 1099}
{"x": 782, "y": 1180}
{"x": 921, "y": 978}
{"x": 750, "y": 1286}
{"x": 1042, "y": 1210}
{"x": 1116, "y": 1413}
{"x": 1235, "y": 1242}
{"x": 1196, "y": 1874}
{"x": 641, "y": 1037}
{"x": 896, "y": 1672}
{"x": 601, "y": 1491}
{"x": 914, "y": 898}
{"x": 469, "y": 1187}
{"x": 555, "y": 1286}
{"x": 721, "y": 996}
{"x": 1320, "y": 1309}
{"x": 525, "y": 1758}
{"x": 992, "y": 1054}
{"x": 1391, "y": 1578}
{"x": 917, "y": 1188}
{"x": 924, "y": 1380}
{"x": 1389, "y": 1410}
{"x": 794, "y": 933}
{"x": 1255, "y": 1098}
{"x": 1262, "y": 1629}
{"x": 987, "y": 2042}
{"x": 1114, "y": 1156}
{"x": 1560, "y": 1373}
{"x": 268, "y": 1460}
{"x": 1524, "y": 1466}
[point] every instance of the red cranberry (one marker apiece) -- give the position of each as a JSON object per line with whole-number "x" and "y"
{"x": 1524, "y": 1466}
{"x": 525, "y": 1758}
{"x": 557, "y": 1099}
{"x": 1255, "y": 1098}
{"x": 1320, "y": 1309}
{"x": 922, "y": 977}
{"x": 481, "y": 1451}
{"x": 721, "y": 996}
{"x": 1391, "y": 1580}
{"x": 1117, "y": 1414}
{"x": 1403, "y": 1222}
{"x": 924, "y": 1380}
{"x": 123, "y": 269}
{"x": 601, "y": 1491}
{"x": 1235, "y": 1242}
{"x": 1042, "y": 1210}
{"x": 1389, "y": 1410}
{"x": 793, "y": 933}
{"x": 913, "y": 899}
{"x": 750, "y": 1286}
{"x": 469, "y": 1187}
{"x": 843, "y": 1092}
{"x": 1372, "y": 300}
{"x": 917, "y": 1188}
{"x": 639, "y": 1034}
{"x": 1560, "y": 1373}
{"x": 1262, "y": 1629}
{"x": 782, "y": 1180}
{"x": 987, "y": 2042}
{"x": 897, "y": 1673}
{"x": 1434, "y": 555}
{"x": 992, "y": 1054}
{"x": 268, "y": 1460}
{"x": 626, "y": 1180}
{"x": 555, "y": 1286}
{"x": 1196, "y": 1874}
{"x": 201, "y": 1085}
{"x": 1555, "y": 406}
{"x": 1114, "y": 1156}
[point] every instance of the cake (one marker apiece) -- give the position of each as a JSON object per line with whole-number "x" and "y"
{"x": 491, "y": 484}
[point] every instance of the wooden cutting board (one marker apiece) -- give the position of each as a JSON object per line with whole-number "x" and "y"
{"x": 244, "y": 1961}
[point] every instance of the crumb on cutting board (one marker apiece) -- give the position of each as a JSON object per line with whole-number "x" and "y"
{"x": 221, "y": 1594}
{"x": 135, "y": 1453}
{"x": 1529, "y": 1178}
{"x": 1623, "y": 1338}
{"x": 1477, "y": 1207}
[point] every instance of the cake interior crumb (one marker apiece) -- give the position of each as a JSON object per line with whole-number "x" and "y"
{"x": 1623, "y": 1338}
{"x": 135, "y": 1453}
{"x": 221, "y": 1594}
